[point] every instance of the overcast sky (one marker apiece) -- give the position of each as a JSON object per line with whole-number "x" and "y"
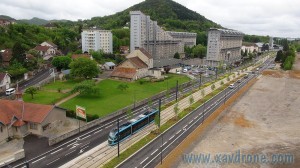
{"x": 279, "y": 18}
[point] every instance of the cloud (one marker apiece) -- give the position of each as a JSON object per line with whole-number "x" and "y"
{"x": 262, "y": 17}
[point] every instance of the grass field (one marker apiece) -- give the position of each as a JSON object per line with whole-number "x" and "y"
{"x": 44, "y": 97}
{"x": 112, "y": 99}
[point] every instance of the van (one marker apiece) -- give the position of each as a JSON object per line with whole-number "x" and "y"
{"x": 10, "y": 91}
{"x": 231, "y": 86}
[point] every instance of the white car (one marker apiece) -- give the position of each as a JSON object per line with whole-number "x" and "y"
{"x": 10, "y": 91}
{"x": 231, "y": 86}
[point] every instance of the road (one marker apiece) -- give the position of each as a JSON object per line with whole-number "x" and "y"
{"x": 153, "y": 153}
{"x": 59, "y": 154}
{"x": 36, "y": 79}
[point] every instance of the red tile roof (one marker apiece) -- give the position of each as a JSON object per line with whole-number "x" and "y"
{"x": 2, "y": 75}
{"x": 53, "y": 45}
{"x": 75, "y": 56}
{"x": 27, "y": 112}
{"x": 145, "y": 52}
{"x": 123, "y": 72}
{"x": 137, "y": 62}
{"x": 42, "y": 48}
{"x": 6, "y": 55}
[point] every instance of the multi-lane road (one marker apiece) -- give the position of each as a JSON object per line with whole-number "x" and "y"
{"x": 59, "y": 154}
{"x": 153, "y": 153}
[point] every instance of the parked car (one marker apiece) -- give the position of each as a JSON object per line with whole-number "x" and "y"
{"x": 10, "y": 91}
{"x": 231, "y": 86}
{"x": 246, "y": 76}
{"x": 239, "y": 81}
{"x": 184, "y": 70}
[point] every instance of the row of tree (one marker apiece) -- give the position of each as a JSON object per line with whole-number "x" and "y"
{"x": 286, "y": 57}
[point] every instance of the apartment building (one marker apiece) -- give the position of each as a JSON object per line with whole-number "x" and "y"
{"x": 188, "y": 39}
{"x": 145, "y": 33}
{"x": 96, "y": 39}
{"x": 223, "y": 46}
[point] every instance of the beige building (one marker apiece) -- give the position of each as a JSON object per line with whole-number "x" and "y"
{"x": 97, "y": 39}
{"x": 18, "y": 119}
{"x": 145, "y": 33}
{"x": 223, "y": 46}
{"x": 250, "y": 47}
{"x": 139, "y": 64}
{"x": 188, "y": 39}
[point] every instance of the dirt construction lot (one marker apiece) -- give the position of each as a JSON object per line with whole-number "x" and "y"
{"x": 262, "y": 128}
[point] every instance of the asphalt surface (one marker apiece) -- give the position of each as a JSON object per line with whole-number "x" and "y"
{"x": 36, "y": 79}
{"x": 63, "y": 152}
{"x": 153, "y": 153}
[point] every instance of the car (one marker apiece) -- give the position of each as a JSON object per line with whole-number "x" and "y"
{"x": 10, "y": 91}
{"x": 246, "y": 76}
{"x": 231, "y": 86}
{"x": 239, "y": 81}
{"x": 184, "y": 70}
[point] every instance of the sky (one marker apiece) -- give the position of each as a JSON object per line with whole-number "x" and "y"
{"x": 277, "y": 18}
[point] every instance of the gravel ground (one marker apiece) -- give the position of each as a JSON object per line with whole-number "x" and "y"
{"x": 265, "y": 121}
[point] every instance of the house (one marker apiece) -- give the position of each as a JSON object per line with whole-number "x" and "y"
{"x": 250, "y": 47}
{"x": 6, "y": 56}
{"x": 18, "y": 119}
{"x": 47, "y": 50}
{"x": 124, "y": 49}
{"x": 76, "y": 56}
{"x": 109, "y": 65}
{"x": 50, "y": 26}
{"x": 49, "y": 44}
{"x": 5, "y": 22}
{"x": 138, "y": 64}
{"x": 4, "y": 81}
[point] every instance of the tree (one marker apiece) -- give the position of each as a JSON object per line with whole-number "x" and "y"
{"x": 285, "y": 45}
{"x": 61, "y": 62}
{"x": 213, "y": 86}
{"x": 123, "y": 86}
{"x": 191, "y": 99}
{"x": 84, "y": 68}
{"x": 18, "y": 52}
{"x": 199, "y": 51}
{"x": 176, "y": 55}
{"x": 31, "y": 90}
{"x": 167, "y": 68}
{"x": 87, "y": 87}
{"x": 279, "y": 56}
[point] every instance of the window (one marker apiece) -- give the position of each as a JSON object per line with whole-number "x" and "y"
{"x": 33, "y": 126}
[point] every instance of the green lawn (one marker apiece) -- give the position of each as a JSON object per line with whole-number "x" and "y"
{"x": 63, "y": 85}
{"x": 112, "y": 99}
{"x": 44, "y": 97}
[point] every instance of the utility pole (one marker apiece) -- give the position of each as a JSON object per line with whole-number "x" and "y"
{"x": 200, "y": 80}
{"x": 118, "y": 138}
{"x": 176, "y": 90}
{"x": 159, "y": 109}
{"x": 161, "y": 149}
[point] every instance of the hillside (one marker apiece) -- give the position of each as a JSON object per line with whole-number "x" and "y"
{"x": 34, "y": 21}
{"x": 6, "y": 17}
{"x": 168, "y": 13}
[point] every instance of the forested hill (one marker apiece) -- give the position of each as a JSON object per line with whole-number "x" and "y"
{"x": 169, "y": 14}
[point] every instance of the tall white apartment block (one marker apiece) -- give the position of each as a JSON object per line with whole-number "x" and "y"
{"x": 223, "y": 46}
{"x": 271, "y": 43}
{"x": 96, "y": 39}
{"x": 145, "y": 33}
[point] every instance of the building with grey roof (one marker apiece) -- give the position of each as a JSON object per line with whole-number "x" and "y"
{"x": 223, "y": 47}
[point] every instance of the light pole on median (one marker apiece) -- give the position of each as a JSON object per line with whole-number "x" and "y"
{"x": 118, "y": 138}
{"x": 176, "y": 90}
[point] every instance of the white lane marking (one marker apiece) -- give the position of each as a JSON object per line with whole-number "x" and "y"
{"x": 190, "y": 121}
{"x": 144, "y": 160}
{"x": 82, "y": 150}
{"x": 53, "y": 161}
{"x": 178, "y": 132}
{"x": 85, "y": 137}
{"x": 97, "y": 131}
{"x": 154, "y": 151}
{"x": 57, "y": 151}
{"x": 71, "y": 144}
{"x": 171, "y": 137}
{"x": 85, "y": 145}
{"x": 70, "y": 152}
{"x": 39, "y": 159}
{"x": 109, "y": 126}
